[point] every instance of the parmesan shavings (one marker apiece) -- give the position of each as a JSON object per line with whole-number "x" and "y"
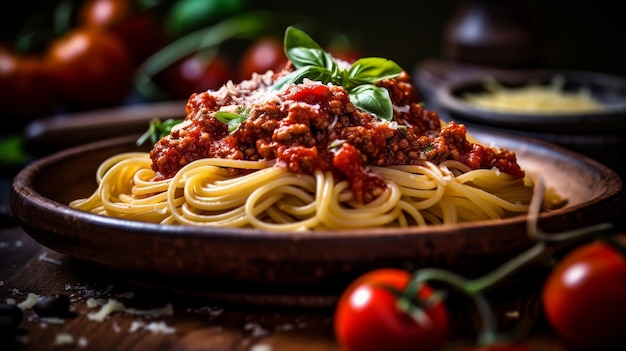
{"x": 402, "y": 109}
{"x": 153, "y": 327}
{"x": 52, "y": 320}
{"x": 66, "y": 339}
{"x": 261, "y": 347}
{"x": 45, "y": 258}
{"x": 29, "y": 302}
{"x": 112, "y": 305}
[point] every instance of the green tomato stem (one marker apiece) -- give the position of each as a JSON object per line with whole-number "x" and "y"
{"x": 489, "y": 325}
{"x": 247, "y": 24}
{"x": 509, "y": 268}
{"x": 475, "y": 288}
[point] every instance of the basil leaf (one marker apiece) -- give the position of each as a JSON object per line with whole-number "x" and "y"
{"x": 233, "y": 120}
{"x": 372, "y": 70}
{"x": 311, "y": 72}
{"x": 296, "y": 38}
{"x": 373, "y": 99}
{"x": 312, "y": 62}
{"x": 302, "y": 57}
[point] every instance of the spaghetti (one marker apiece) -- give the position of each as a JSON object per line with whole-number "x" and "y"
{"x": 272, "y": 198}
{"x": 286, "y": 155}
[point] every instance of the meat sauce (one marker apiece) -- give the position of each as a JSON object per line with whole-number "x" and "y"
{"x": 312, "y": 126}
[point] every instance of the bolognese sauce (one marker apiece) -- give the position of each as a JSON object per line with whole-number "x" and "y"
{"x": 313, "y": 126}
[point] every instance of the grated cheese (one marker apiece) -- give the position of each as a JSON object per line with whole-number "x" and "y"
{"x": 52, "y": 320}
{"x": 64, "y": 339}
{"x": 112, "y": 305}
{"x": 534, "y": 98}
{"x": 160, "y": 328}
{"x": 261, "y": 347}
{"x": 153, "y": 327}
{"x": 29, "y": 302}
{"x": 45, "y": 258}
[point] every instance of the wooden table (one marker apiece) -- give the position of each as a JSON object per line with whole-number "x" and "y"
{"x": 197, "y": 324}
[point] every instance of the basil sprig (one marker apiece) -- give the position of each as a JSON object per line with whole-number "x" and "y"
{"x": 233, "y": 120}
{"x": 158, "y": 129}
{"x": 312, "y": 62}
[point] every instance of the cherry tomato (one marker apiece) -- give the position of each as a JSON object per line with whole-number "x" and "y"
{"x": 194, "y": 74}
{"x": 27, "y": 86}
{"x": 93, "y": 67}
{"x": 584, "y": 297}
{"x": 262, "y": 55}
{"x": 367, "y": 316}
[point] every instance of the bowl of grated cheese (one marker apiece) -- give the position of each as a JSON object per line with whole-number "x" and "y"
{"x": 538, "y": 100}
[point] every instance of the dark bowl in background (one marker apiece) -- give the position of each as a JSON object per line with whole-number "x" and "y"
{"x": 600, "y": 135}
{"x": 609, "y": 90}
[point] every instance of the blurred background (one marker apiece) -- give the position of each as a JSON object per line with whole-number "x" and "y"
{"x": 63, "y": 58}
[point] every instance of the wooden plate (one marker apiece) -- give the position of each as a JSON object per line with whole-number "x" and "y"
{"x": 248, "y": 265}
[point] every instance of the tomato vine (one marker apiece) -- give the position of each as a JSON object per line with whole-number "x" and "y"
{"x": 582, "y": 298}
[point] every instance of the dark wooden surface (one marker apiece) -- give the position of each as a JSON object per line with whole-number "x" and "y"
{"x": 198, "y": 324}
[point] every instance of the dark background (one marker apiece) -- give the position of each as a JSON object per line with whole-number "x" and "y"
{"x": 583, "y": 35}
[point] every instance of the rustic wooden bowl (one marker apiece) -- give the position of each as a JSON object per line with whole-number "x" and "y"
{"x": 311, "y": 268}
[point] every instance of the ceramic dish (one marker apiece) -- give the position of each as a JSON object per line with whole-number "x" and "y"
{"x": 297, "y": 268}
{"x": 608, "y": 90}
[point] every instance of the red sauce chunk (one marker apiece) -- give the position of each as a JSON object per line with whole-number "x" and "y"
{"x": 312, "y": 127}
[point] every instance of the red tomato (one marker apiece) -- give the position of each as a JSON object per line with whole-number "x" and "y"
{"x": 27, "y": 86}
{"x": 367, "y": 316}
{"x": 93, "y": 67}
{"x": 264, "y": 54}
{"x": 497, "y": 347}
{"x": 142, "y": 32}
{"x": 143, "y": 36}
{"x": 348, "y": 54}
{"x": 311, "y": 94}
{"x": 584, "y": 297}
{"x": 194, "y": 74}
{"x": 104, "y": 13}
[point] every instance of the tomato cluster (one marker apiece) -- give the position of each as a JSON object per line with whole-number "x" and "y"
{"x": 99, "y": 57}
{"x": 583, "y": 299}
{"x": 89, "y": 64}
{"x": 201, "y": 71}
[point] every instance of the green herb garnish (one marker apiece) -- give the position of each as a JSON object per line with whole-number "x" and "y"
{"x": 336, "y": 145}
{"x": 232, "y": 119}
{"x": 312, "y": 62}
{"x": 158, "y": 129}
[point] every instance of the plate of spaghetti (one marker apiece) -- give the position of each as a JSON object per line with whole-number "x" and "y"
{"x": 292, "y": 183}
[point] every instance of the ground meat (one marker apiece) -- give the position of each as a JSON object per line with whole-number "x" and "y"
{"x": 312, "y": 126}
